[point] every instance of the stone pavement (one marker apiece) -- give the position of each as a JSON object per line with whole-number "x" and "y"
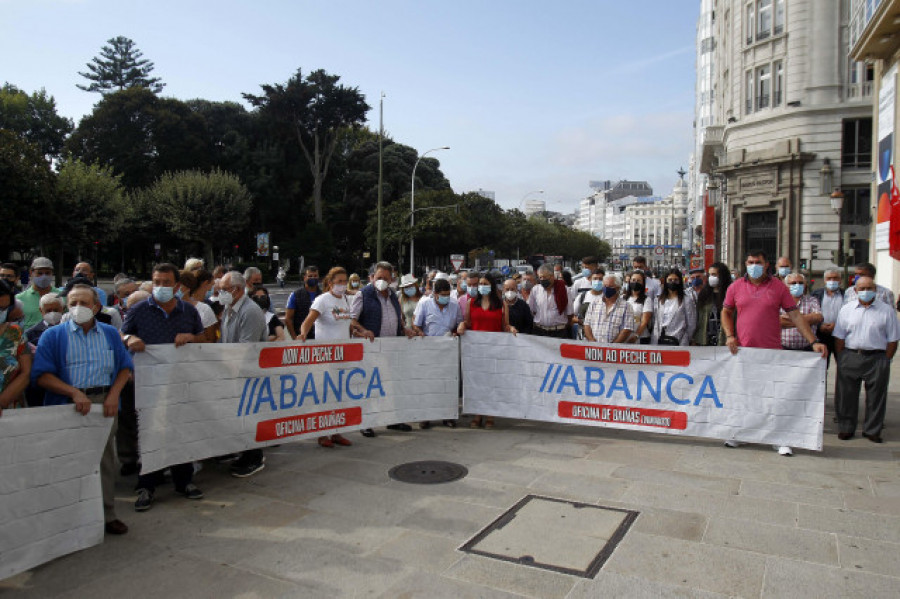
{"x": 330, "y": 523}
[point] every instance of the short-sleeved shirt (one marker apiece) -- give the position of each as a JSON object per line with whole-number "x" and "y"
{"x": 334, "y": 316}
{"x": 435, "y": 321}
{"x": 31, "y": 305}
{"x": 207, "y": 316}
{"x": 871, "y": 327}
{"x": 154, "y": 326}
{"x": 638, "y": 311}
{"x": 791, "y": 337}
{"x": 607, "y": 322}
{"x": 759, "y": 311}
{"x": 485, "y": 320}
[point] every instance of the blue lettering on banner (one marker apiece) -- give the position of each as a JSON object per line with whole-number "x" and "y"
{"x": 257, "y": 393}
{"x": 561, "y": 379}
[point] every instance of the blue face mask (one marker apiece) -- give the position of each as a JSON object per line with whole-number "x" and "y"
{"x": 472, "y": 291}
{"x": 585, "y": 272}
{"x": 609, "y": 292}
{"x": 866, "y": 296}
{"x": 784, "y": 271}
{"x": 697, "y": 283}
{"x": 462, "y": 286}
{"x": 754, "y": 271}
{"x": 484, "y": 289}
{"x": 409, "y": 291}
{"x": 797, "y": 289}
{"x": 179, "y": 294}
{"x": 4, "y": 314}
{"x": 443, "y": 299}
{"x": 163, "y": 294}
{"x": 832, "y": 285}
{"x": 597, "y": 286}
{"x": 209, "y": 294}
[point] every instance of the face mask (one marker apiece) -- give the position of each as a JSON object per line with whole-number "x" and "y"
{"x": 462, "y": 286}
{"x": 510, "y": 296}
{"x": 713, "y": 281}
{"x": 409, "y": 291}
{"x": 545, "y": 283}
{"x": 43, "y": 281}
{"x": 637, "y": 287}
{"x": 697, "y": 283}
{"x": 163, "y": 294}
{"x": 832, "y": 285}
{"x": 609, "y": 292}
{"x": 354, "y": 284}
{"x": 585, "y": 272}
{"x": 381, "y": 285}
{"x": 262, "y": 301}
{"x": 519, "y": 286}
{"x": 866, "y": 296}
{"x": 312, "y": 282}
{"x": 394, "y": 285}
{"x": 754, "y": 271}
{"x": 81, "y": 314}
{"x": 528, "y": 285}
{"x": 673, "y": 285}
{"x": 53, "y": 318}
{"x": 443, "y": 299}
{"x": 597, "y": 286}
{"x": 472, "y": 291}
{"x": 3, "y": 315}
{"x": 225, "y": 298}
{"x": 338, "y": 289}
{"x": 209, "y": 294}
{"x": 484, "y": 289}
{"x": 784, "y": 271}
{"x": 179, "y": 294}
{"x": 797, "y": 289}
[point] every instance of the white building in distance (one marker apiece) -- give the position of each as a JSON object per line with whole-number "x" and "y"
{"x": 592, "y": 210}
{"x": 533, "y": 207}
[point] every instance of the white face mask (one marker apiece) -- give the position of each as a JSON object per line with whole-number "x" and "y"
{"x": 225, "y": 298}
{"x": 53, "y": 318}
{"x": 510, "y": 295}
{"x": 81, "y": 314}
{"x": 338, "y": 290}
{"x": 713, "y": 281}
{"x": 381, "y": 284}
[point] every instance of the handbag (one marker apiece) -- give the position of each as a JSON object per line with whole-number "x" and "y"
{"x": 667, "y": 339}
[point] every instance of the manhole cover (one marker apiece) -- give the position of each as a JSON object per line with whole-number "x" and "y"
{"x": 554, "y": 534}
{"x": 428, "y": 472}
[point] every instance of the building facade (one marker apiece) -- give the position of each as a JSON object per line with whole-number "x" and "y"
{"x": 792, "y": 123}
{"x": 592, "y": 210}
{"x": 533, "y": 207}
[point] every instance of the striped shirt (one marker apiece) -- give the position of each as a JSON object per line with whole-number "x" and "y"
{"x": 90, "y": 361}
{"x": 792, "y": 338}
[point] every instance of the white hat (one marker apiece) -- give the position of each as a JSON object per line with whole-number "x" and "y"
{"x": 407, "y": 280}
{"x": 442, "y": 276}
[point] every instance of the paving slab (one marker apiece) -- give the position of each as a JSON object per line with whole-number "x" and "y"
{"x": 806, "y": 545}
{"x": 789, "y": 579}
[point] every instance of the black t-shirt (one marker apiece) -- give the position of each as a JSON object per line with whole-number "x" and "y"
{"x": 520, "y": 317}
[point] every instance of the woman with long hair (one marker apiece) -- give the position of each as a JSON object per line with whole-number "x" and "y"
{"x": 709, "y": 306}
{"x": 260, "y": 297}
{"x": 641, "y": 306}
{"x": 676, "y": 313}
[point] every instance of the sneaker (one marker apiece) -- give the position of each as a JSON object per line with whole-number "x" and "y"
{"x": 144, "y": 500}
{"x": 400, "y": 427}
{"x": 244, "y": 470}
{"x": 783, "y": 450}
{"x": 425, "y": 425}
{"x": 367, "y": 432}
{"x": 191, "y": 491}
{"x": 732, "y": 443}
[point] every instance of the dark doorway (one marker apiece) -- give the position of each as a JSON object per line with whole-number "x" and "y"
{"x": 761, "y": 233}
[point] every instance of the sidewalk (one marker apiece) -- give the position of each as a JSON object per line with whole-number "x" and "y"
{"x": 330, "y": 523}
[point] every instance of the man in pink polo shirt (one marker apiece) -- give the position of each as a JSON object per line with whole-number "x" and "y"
{"x": 757, "y": 299}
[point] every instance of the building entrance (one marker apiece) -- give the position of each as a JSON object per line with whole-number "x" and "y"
{"x": 761, "y": 233}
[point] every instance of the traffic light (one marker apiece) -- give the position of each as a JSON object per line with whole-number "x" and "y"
{"x": 803, "y": 265}
{"x": 814, "y": 250}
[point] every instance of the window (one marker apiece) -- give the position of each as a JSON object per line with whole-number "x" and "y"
{"x": 764, "y": 19}
{"x": 748, "y": 22}
{"x": 856, "y": 143}
{"x": 855, "y": 210}
{"x": 779, "y": 17}
{"x": 748, "y": 91}
{"x": 763, "y": 86}
{"x": 708, "y": 44}
{"x": 778, "y": 87}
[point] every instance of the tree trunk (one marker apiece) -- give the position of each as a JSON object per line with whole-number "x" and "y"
{"x": 208, "y": 257}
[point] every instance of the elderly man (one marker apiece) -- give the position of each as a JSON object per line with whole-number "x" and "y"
{"x": 254, "y": 277}
{"x": 865, "y": 341}
{"x": 831, "y": 299}
{"x": 376, "y": 313}
{"x": 242, "y": 322}
{"x": 163, "y": 319}
{"x": 123, "y": 288}
{"x": 867, "y": 269}
{"x": 520, "y": 317}
{"x": 783, "y": 268}
{"x": 609, "y": 320}
{"x": 757, "y": 300}
{"x": 300, "y": 302}
{"x": 84, "y": 362}
{"x": 51, "y": 307}
{"x": 809, "y": 310}
{"x": 84, "y": 269}
{"x": 550, "y": 304}
{"x": 41, "y": 284}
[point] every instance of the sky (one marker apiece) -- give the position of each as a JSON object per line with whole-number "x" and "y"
{"x": 528, "y": 95}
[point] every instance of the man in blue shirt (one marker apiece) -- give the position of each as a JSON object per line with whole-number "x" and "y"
{"x": 84, "y": 362}
{"x": 163, "y": 318}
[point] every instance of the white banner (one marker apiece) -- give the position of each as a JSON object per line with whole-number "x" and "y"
{"x": 205, "y": 400}
{"x": 759, "y": 396}
{"x": 50, "y": 500}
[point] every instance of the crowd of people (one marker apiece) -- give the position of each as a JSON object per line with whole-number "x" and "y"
{"x": 74, "y": 345}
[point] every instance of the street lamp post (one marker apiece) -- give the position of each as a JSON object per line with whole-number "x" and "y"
{"x": 412, "y": 209}
{"x": 380, "y": 174}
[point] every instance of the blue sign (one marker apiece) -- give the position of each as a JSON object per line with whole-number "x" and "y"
{"x": 504, "y": 270}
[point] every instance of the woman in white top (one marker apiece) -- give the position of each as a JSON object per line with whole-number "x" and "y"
{"x": 330, "y": 313}
{"x": 193, "y": 285}
{"x": 676, "y": 313}
{"x": 641, "y": 306}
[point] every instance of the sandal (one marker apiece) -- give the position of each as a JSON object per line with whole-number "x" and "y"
{"x": 340, "y": 440}
{"x": 326, "y": 442}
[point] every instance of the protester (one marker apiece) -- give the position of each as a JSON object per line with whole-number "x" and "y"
{"x": 15, "y": 354}
{"x": 710, "y": 300}
{"x": 809, "y": 309}
{"x": 438, "y": 316}
{"x": 831, "y": 299}
{"x": 584, "y": 298}
{"x": 529, "y": 280}
{"x": 641, "y": 307}
{"x": 260, "y": 297}
{"x": 783, "y": 267}
{"x": 653, "y": 285}
{"x": 192, "y": 287}
{"x": 409, "y": 296}
{"x": 375, "y": 312}
{"x": 676, "y": 313}
{"x": 609, "y": 320}
{"x": 695, "y": 282}
{"x": 520, "y": 317}
{"x": 471, "y": 289}
{"x": 254, "y": 278}
{"x": 300, "y": 301}
{"x": 84, "y": 269}
{"x": 193, "y": 264}
{"x": 550, "y": 304}
{"x": 756, "y": 301}
{"x": 41, "y": 284}
{"x": 9, "y": 272}
{"x": 122, "y": 288}
{"x": 163, "y": 319}
{"x": 353, "y": 284}
{"x": 84, "y": 362}
{"x": 867, "y": 269}
{"x": 51, "y": 307}
{"x": 105, "y": 314}
{"x": 865, "y": 341}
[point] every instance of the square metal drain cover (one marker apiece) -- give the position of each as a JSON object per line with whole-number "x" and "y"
{"x": 554, "y": 534}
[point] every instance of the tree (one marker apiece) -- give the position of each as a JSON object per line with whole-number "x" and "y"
{"x": 26, "y": 207}
{"x": 207, "y": 207}
{"x": 91, "y": 203}
{"x": 315, "y": 110}
{"x": 34, "y": 119}
{"x": 120, "y": 66}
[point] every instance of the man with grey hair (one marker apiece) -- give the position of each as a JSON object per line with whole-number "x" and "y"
{"x": 51, "y": 307}
{"x": 253, "y": 277}
{"x": 242, "y": 322}
{"x": 550, "y": 304}
{"x": 809, "y": 310}
{"x": 867, "y": 269}
{"x": 609, "y": 320}
{"x": 831, "y": 298}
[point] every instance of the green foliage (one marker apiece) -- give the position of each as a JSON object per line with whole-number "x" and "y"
{"x": 120, "y": 66}
{"x": 91, "y": 203}
{"x": 29, "y": 190}
{"x": 208, "y": 207}
{"x": 34, "y": 119}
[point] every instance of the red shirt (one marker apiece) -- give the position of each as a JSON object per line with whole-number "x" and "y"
{"x": 485, "y": 320}
{"x": 758, "y": 316}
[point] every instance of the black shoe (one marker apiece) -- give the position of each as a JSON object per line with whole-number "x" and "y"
{"x": 116, "y": 527}
{"x": 144, "y": 500}
{"x": 845, "y": 436}
{"x": 367, "y": 432}
{"x": 129, "y": 468}
{"x": 425, "y": 425}
{"x": 874, "y": 438}
{"x": 191, "y": 491}
{"x": 240, "y": 470}
{"x": 450, "y": 423}
{"x": 400, "y": 427}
